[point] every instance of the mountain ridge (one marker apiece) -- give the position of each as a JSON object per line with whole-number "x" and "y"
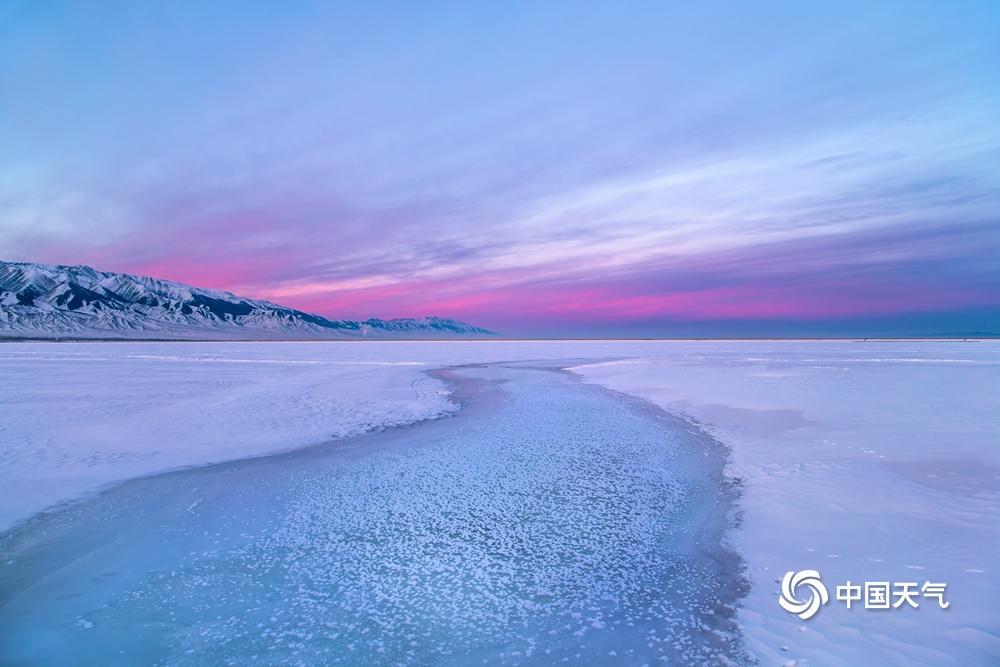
{"x": 54, "y": 301}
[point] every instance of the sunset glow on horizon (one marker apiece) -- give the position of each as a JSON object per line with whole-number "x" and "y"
{"x": 552, "y": 170}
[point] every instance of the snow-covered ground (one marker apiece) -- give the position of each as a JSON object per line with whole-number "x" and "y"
{"x": 79, "y": 416}
{"x": 865, "y": 461}
{"x": 548, "y": 522}
{"x": 75, "y": 417}
{"x": 868, "y": 462}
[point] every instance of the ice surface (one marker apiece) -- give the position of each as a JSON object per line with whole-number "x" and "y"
{"x": 864, "y": 461}
{"x": 552, "y": 522}
{"x": 877, "y": 461}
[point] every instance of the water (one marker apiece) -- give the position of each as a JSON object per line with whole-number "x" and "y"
{"x": 548, "y": 521}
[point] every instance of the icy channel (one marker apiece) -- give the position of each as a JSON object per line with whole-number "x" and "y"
{"x": 547, "y": 521}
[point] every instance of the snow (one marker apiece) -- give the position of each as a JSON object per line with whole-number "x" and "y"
{"x": 79, "y": 416}
{"x": 482, "y": 538}
{"x": 868, "y": 462}
{"x": 865, "y": 461}
{"x": 42, "y": 301}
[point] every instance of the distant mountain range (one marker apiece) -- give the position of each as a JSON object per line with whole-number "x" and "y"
{"x": 49, "y": 301}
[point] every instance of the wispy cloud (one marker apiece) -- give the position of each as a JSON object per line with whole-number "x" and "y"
{"x": 624, "y": 171}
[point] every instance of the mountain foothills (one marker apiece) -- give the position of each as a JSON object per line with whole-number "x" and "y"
{"x": 48, "y": 301}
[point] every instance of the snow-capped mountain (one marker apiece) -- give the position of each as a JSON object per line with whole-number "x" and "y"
{"x": 48, "y": 301}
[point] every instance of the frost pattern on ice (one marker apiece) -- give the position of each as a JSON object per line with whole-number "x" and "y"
{"x": 563, "y": 526}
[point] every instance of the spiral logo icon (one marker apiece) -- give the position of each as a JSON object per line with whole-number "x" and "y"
{"x": 804, "y": 609}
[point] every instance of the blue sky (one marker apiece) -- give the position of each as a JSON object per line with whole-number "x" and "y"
{"x": 538, "y": 168}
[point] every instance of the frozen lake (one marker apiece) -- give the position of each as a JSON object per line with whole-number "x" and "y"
{"x": 507, "y": 511}
{"x": 547, "y": 520}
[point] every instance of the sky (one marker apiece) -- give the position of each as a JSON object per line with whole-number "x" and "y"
{"x": 539, "y": 169}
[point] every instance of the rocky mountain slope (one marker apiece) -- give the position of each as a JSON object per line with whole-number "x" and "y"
{"x": 49, "y": 301}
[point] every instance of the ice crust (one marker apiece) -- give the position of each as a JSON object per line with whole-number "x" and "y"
{"x": 561, "y": 524}
{"x": 876, "y": 460}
